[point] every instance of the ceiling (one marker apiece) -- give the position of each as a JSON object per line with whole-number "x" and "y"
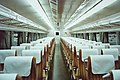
{"x": 66, "y": 14}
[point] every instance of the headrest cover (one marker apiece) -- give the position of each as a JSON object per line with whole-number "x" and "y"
{"x": 99, "y": 48}
{"x": 80, "y": 47}
{"x": 41, "y": 44}
{"x": 35, "y": 53}
{"x": 113, "y": 52}
{"x": 102, "y": 64}
{"x": 26, "y": 44}
{"x": 18, "y": 49}
{"x": 87, "y": 52}
{"x": 8, "y": 76}
{"x": 6, "y": 53}
{"x": 116, "y": 74}
{"x": 18, "y": 64}
{"x": 116, "y": 46}
{"x": 107, "y": 45}
{"x": 41, "y": 48}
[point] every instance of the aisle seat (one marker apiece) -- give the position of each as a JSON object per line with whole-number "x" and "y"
{"x": 99, "y": 65}
{"x": 38, "y": 55}
{"x": 99, "y": 48}
{"x": 27, "y": 45}
{"x": 4, "y": 54}
{"x": 112, "y": 75}
{"x": 10, "y": 77}
{"x": 83, "y": 56}
{"x": 23, "y": 66}
{"x": 115, "y": 53}
{"x": 18, "y": 49}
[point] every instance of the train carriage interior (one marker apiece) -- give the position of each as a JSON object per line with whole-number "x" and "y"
{"x": 59, "y": 39}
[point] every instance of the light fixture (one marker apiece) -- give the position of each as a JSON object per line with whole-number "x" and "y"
{"x": 38, "y": 8}
{"x": 97, "y": 8}
{"x": 76, "y": 12}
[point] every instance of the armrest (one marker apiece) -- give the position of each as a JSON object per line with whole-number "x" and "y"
{"x": 106, "y": 75}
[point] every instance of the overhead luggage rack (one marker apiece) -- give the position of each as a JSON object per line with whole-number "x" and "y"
{"x": 12, "y": 20}
{"x": 111, "y": 22}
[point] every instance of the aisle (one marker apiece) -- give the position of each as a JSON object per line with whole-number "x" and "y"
{"x": 59, "y": 70}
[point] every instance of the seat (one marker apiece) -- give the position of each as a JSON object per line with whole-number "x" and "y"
{"x": 116, "y": 46}
{"x": 83, "y": 55}
{"x": 3, "y": 55}
{"x": 10, "y": 77}
{"x": 18, "y": 49}
{"x": 44, "y": 59}
{"x": 100, "y": 47}
{"x": 107, "y": 45}
{"x": 115, "y": 75}
{"x": 112, "y": 75}
{"x": 37, "y": 48}
{"x": 38, "y": 55}
{"x": 27, "y": 45}
{"x": 115, "y": 53}
{"x": 97, "y": 43}
{"x": 23, "y": 66}
{"x": 51, "y": 49}
{"x": 75, "y": 64}
{"x": 99, "y": 65}
{"x": 76, "y": 59}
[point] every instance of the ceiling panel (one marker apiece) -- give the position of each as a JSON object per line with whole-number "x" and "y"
{"x": 61, "y": 13}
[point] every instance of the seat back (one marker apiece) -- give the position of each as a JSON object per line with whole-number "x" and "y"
{"x": 98, "y": 65}
{"x": 110, "y": 51}
{"x": 4, "y": 54}
{"x": 83, "y": 54}
{"x": 112, "y": 75}
{"x": 99, "y": 48}
{"x": 115, "y": 75}
{"x": 18, "y": 49}
{"x": 10, "y": 77}
{"x": 116, "y": 46}
{"x": 38, "y": 55}
{"x": 23, "y": 66}
{"x": 38, "y": 48}
{"x": 114, "y": 52}
{"x": 107, "y": 45}
{"x": 27, "y": 45}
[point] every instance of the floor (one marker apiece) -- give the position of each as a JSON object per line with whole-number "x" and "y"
{"x": 60, "y": 71}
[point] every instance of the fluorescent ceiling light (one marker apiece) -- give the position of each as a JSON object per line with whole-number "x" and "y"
{"x": 37, "y": 7}
{"x": 97, "y": 8}
{"x": 77, "y": 12}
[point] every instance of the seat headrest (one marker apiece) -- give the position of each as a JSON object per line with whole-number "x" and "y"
{"x": 87, "y": 52}
{"x": 116, "y": 74}
{"x": 80, "y": 47}
{"x": 35, "y": 53}
{"x": 8, "y": 76}
{"x": 41, "y": 48}
{"x": 18, "y": 64}
{"x": 102, "y": 64}
{"x": 18, "y": 49}
{"x": 26, "y": 44}
{"x": 110, "y": 51}
{"x": 6, "y": 53}
{"x": 99, "y": 48}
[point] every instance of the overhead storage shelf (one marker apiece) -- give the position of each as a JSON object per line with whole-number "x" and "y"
{"x": 105, "y": 24}
{"x": 10, "y": 18}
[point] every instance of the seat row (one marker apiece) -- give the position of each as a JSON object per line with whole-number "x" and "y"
{"x": 79, "y": 58}
{"x": 29, "y": 61}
